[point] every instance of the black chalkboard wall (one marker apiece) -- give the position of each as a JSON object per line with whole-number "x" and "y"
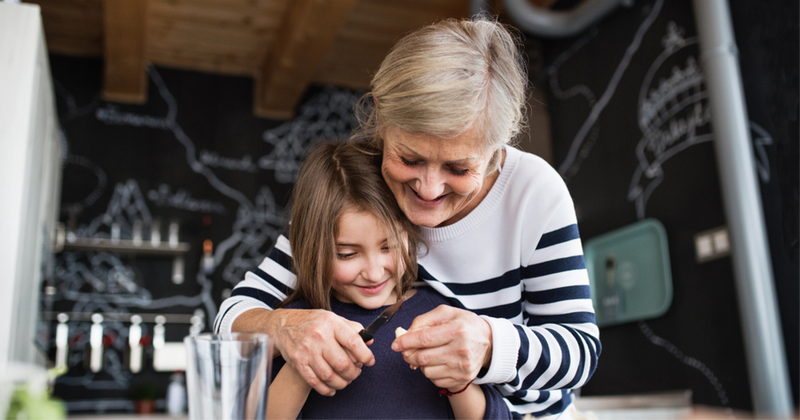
{"x": 628, "y": 95}
{"x": 193, "y": 154}
{"x": 768, "y": 41}
{"x": 196, "y": 155}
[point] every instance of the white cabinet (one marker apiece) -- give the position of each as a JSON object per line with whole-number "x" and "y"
{"x": 30, "y": 178}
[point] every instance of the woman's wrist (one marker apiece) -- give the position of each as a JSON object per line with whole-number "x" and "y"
{"x": 252, "y": 320}
{"x": 487, "y": 357}
{"x": 258, "y": 320}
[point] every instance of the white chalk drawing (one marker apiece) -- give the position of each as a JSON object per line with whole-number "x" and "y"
{"x": 327, "y": 116}
{"x": 110, "y": 115}
{"x": 191, "y": 154}
{"x": 576, "y": 90}
{"x": 99, "y": 175}
{"x": 124, "y": 208}
{"x": 597, "y": 108}
{"x": 251, "y": 231}
{"x": 673, "y": 113}
{"x": 73, "y": 110}
{"x": 761, "y": 138}
{"x": 182, "y": 199}
{"x": 688, "y": 361}
{"x": 214, "y": 160}
{"x": 112, "y": 284}
{"x": 107, "y": 282}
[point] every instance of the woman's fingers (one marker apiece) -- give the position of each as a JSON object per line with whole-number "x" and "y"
{"x": 419, "y": 336}
{"x": 324, "y": 348}
{"x": 439, "y": 315}
{"x": 447, "y": 343}
{"x": 348, "y": 337}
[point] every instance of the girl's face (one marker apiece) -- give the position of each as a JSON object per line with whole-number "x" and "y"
{"x": 365, "y": 266}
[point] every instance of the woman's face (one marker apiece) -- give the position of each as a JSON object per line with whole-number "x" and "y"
{"x": 436, "y": 181}
{"x": 365, "y": 272}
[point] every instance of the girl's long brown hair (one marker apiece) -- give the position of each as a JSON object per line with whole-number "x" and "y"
{"x": 336, "y": 177}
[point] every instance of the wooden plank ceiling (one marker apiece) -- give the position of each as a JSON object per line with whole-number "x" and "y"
{"x": 285, "y": 45}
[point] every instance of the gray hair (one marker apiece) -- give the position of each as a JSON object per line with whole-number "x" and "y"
{"x": 446, "y": 78}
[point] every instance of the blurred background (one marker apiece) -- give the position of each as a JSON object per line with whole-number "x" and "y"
{"x": 178, "y": 127}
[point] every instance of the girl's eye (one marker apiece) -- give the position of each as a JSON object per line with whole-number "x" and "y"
{"x": 345, "y": 256}
{"x": 408, "y": 162}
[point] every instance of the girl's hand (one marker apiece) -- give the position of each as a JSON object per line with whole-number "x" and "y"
{"x": 450, "y": 345}
{"x": 324, "y": 348}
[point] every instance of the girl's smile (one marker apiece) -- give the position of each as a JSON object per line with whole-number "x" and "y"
{"x": 372, "y": 290}
{"x": 365, "y": 272}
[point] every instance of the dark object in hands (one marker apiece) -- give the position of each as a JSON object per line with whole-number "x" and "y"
{"x": 369, "y": 332}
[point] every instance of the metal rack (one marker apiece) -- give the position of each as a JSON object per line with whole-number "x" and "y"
{"x": 67, "y": 240}
{"x": 167, "y": 356}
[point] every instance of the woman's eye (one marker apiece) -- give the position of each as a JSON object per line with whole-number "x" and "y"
{"x": 459, "y": 172}
{"x": 344, "y": 256}
{"x": 408, "y": 162}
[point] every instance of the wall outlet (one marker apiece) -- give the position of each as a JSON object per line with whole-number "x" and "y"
{"x": 712, "y": 244}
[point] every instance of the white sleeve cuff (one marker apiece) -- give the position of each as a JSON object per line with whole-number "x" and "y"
{"x": 505, "y": 350}
{"x": 226, "y": 323}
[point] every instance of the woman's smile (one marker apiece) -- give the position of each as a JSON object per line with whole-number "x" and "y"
{"x": 435, "y": 202}
{"x": 436, "y": 180}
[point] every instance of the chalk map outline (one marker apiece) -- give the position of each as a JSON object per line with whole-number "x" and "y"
{"x": 258, "y": 223}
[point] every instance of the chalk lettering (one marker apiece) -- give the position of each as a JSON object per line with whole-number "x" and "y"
{"x": 673, "y": 114}
{"x": 214, "y": 160}
{"x": 181, "y": 199}
{"x": 110, "y": 115}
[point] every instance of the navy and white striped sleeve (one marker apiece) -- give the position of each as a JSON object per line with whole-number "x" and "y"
{"x": 558, "y": 339}
{"x": 265, "y": 287}
{"x": 562, "y": 333}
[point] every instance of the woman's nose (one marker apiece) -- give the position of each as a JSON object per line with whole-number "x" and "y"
{"x": 431, "y": 185}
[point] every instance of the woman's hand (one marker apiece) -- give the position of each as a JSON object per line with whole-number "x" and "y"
{"x": 323, "y": 347}
{"x": 450, "y": 345}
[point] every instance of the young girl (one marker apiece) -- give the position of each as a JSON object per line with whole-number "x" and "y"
{"x": 354, "y": 253}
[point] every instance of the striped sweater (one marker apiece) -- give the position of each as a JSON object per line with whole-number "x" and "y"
{"x": 517, "y": 261}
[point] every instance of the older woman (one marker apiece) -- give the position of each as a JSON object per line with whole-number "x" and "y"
{"x": 500, "y": 225}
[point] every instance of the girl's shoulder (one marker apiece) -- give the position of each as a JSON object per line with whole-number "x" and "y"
{"x": 429, "y": 297}
{"x": 297, "y": 304}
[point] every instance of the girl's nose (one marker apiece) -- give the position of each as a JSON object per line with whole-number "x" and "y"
{"x": 375, "y": 268}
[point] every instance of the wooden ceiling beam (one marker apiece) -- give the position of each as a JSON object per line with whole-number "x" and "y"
{"x": 307, "y": 32}
{"x": 125, "y": 70}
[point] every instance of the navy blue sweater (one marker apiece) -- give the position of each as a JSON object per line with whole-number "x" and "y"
{"x": 389, "y": 389}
